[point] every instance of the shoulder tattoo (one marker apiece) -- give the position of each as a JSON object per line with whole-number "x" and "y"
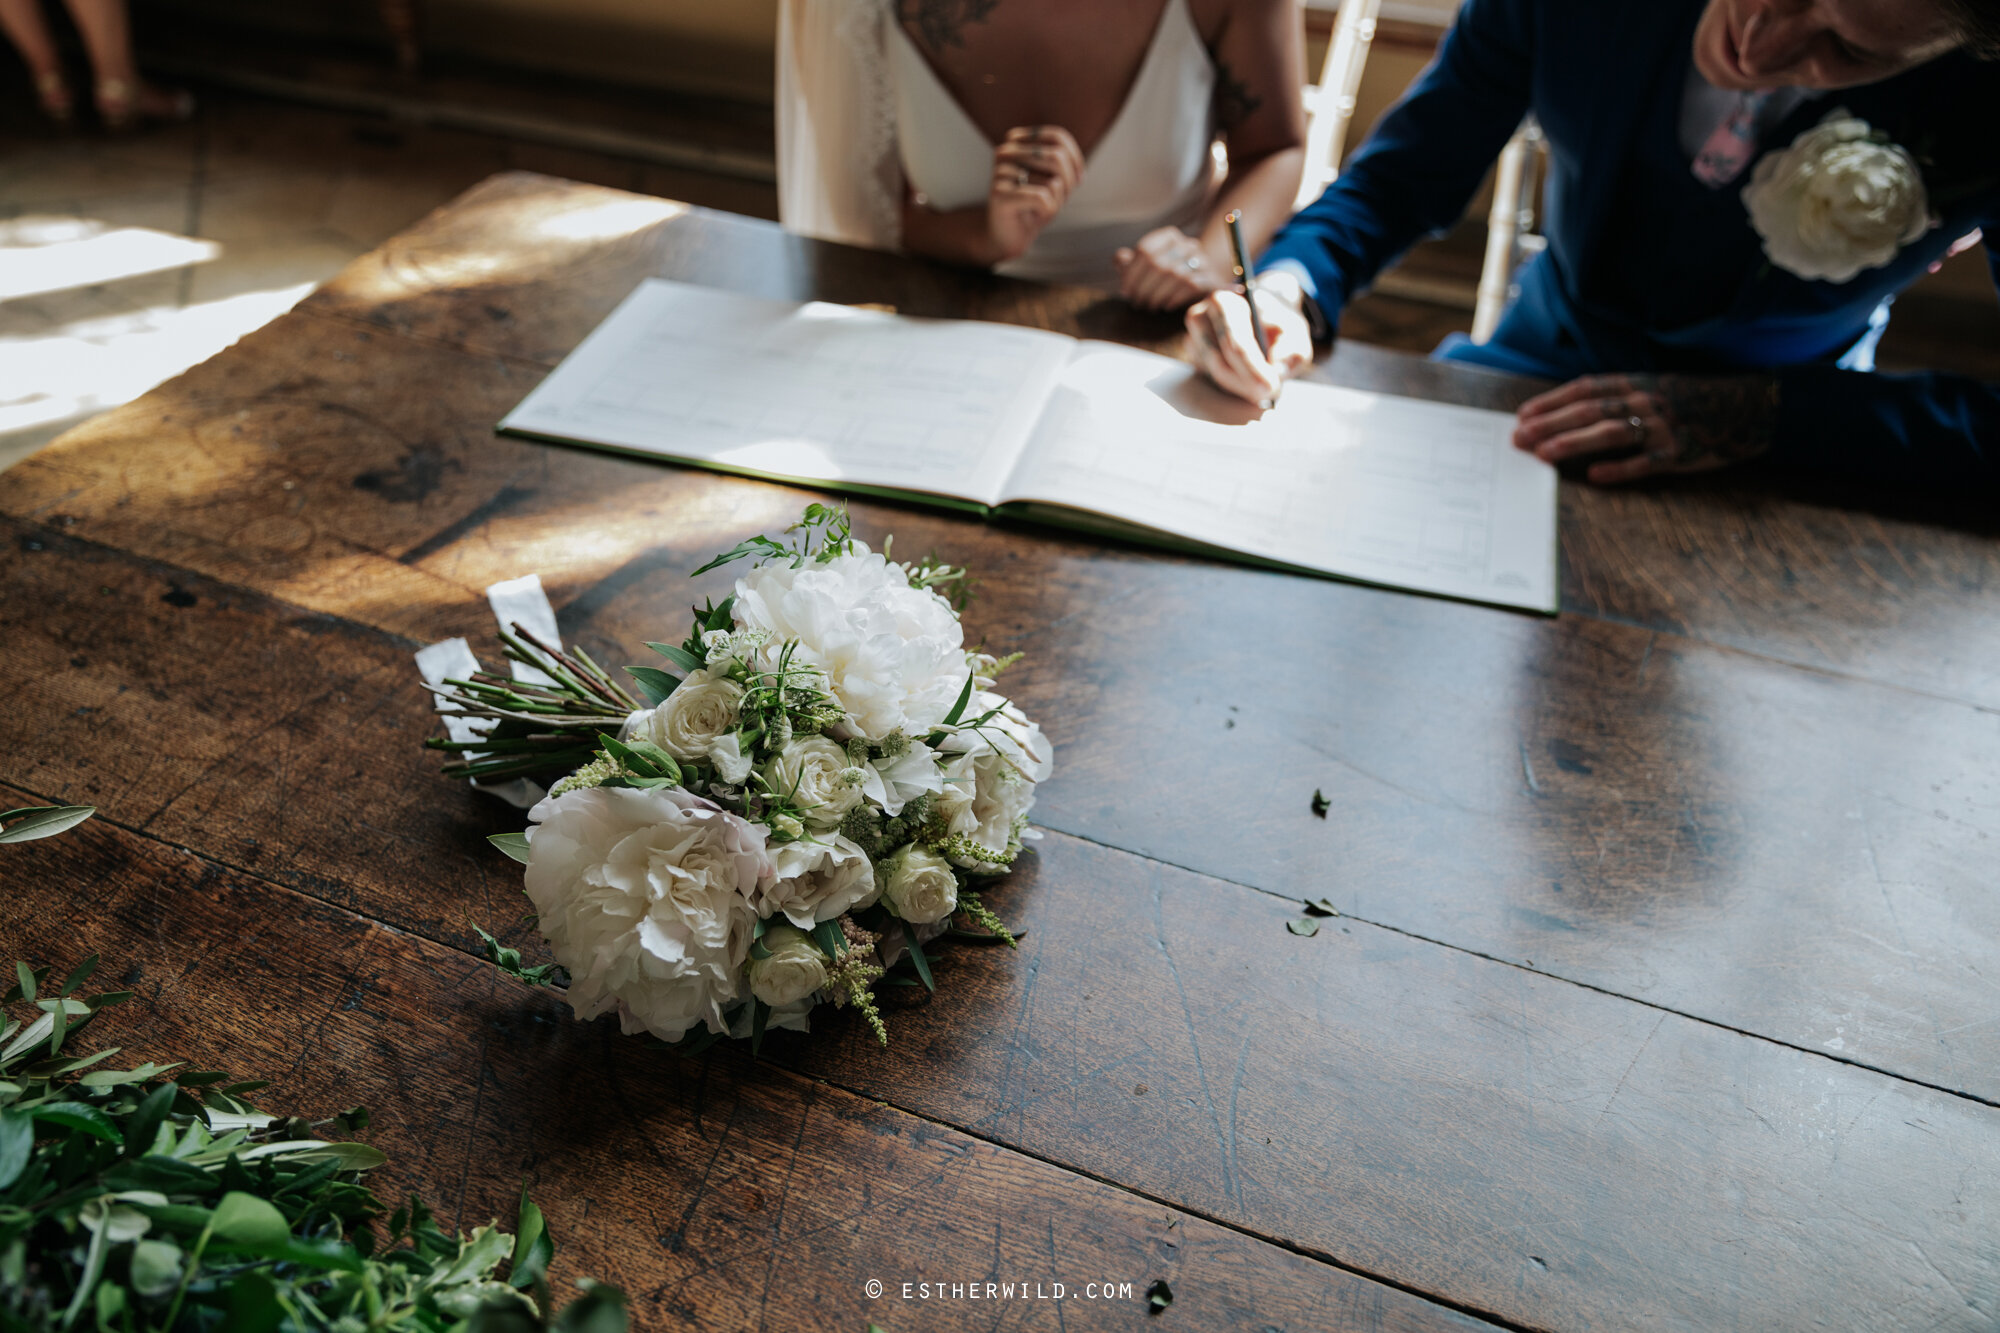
{"x": 941, "y": 23}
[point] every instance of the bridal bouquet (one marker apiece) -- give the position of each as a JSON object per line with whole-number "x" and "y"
{"x": 809, "y": 791}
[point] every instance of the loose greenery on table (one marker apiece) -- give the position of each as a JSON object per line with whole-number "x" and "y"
{"x": 145, "y": 1199}
{"x": 41, "y": 821}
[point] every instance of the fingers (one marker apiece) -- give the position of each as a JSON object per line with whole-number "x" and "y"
{"x": 1166, "y": 271}
{"x": 1046, "y": 150}
{"x": 1288, "y": 333}
{"x": 1624, "y": 470}
{"x": 1226, "y": 348}
{"x": 1576, "y": 391}
{"x": 1597, "y": 438}
{"x": 1589, "y": 415}
{"x": 1631, "y": 426}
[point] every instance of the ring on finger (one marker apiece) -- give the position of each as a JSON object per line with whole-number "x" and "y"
{"x": 1193, "y": 262}
{"x": 1638, "y": 429}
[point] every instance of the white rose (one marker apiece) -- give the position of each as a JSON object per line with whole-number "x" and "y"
{"x": 817, "y": 775}
{"x": 894, "y": 656}
{"x": 917, "y": 884}
{"x": 795, "y": 969}
{"x": 644, "y": 895}
{"x": 1837, "y": 201}
{"x": 690, "y": 721}
{"x": 817, "y": 881}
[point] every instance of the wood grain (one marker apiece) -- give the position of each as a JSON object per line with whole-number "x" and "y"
{"x": 1781, "y": 852}
{"x": 1345, "y": 1094}
{"x": 719, "y": 1195}
{"x": 1377, "y": 1061}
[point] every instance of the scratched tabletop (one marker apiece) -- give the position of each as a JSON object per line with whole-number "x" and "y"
{"x": 1664, "y": 989}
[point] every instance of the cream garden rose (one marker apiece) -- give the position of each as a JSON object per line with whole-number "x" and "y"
{"x": 1838, "y": 201}
{"x": 702, "y": 710}
{"x": 817, "y": 880}
{"x": 918, "y": 885}
{"x": 817, "y": 775}
{"x": 644, "y": 895}
{"x": 792, "y": 970}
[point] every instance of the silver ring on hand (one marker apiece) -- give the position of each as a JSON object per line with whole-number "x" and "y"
{"x": 1637, "y": 426}
{"x": 1193, "y": 263}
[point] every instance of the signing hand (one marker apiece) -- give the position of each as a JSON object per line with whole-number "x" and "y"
{"x": 1225, "y": 345}
{"x": 1034, "y": 170}
{"x": 1650, "y": 425}
{"x": 1167, "y": 270}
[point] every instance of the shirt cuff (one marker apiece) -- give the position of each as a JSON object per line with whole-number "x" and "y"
{"x": 1322, "y": 331}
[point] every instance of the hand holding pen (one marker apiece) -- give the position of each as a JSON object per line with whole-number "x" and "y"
{"x": 1250, "y": 343}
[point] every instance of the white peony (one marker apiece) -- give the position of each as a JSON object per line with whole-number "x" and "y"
{"x": 690, "y": 722}
{"x": 794, "y": 969}
{"x": 894, "y": 655}
{"x": 991, "y": 774}
{"x": 817, "y": 881}
{"x": 918, "y": 885}
{"x": 1837, "y": 201}
{"x": 817, "y": 775}
{"x": 644, "y": 895}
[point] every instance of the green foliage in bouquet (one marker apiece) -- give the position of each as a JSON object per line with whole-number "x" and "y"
{"x": 146, "y": 1199}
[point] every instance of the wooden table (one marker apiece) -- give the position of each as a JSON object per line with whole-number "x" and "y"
{"x": 1664, "y": 996}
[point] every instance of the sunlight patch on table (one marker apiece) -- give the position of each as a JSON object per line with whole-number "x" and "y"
{"x": 41, "y": 253}
{"x": 92, "y": 364}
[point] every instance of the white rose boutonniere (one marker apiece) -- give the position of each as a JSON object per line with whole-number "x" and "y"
{"x": 1839, "y": 200}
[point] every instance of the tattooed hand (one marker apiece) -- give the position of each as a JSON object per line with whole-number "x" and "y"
{"x": 1650, "y": 425}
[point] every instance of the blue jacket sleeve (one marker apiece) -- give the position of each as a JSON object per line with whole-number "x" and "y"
{"x": 1426, "y": 157}
{"x": 1928, "y": 428}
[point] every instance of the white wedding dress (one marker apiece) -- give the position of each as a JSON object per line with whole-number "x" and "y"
{"x": 862, "y": 116}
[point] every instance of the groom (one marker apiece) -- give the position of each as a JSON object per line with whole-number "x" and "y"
{"x": 1692, "y": 334}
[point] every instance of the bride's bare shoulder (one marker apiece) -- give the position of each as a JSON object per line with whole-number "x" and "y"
{"x": 1213, "y": 17}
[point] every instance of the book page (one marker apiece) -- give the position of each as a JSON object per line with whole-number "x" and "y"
{"x": 1368, "y": 486}
{"x": 816, "y": 393}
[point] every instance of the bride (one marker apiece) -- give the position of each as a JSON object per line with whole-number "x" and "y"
{"x": 1059, "y": 140}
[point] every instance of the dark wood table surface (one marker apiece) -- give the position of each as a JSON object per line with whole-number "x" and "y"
{"x": 1666, "y": 993}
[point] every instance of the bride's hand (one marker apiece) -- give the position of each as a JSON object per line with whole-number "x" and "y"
{"x": 1034, "y": 170}
{"x": 1168, "y": 270}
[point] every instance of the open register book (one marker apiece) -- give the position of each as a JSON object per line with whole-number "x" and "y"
{"x": 1007, "y": 420}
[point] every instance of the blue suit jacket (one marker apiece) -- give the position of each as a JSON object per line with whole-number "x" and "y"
{"x": 1648, "y": 270}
